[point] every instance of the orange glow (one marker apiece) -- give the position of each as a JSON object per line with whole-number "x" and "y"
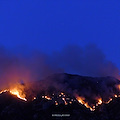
{"x": 43, "y": 97}
{"x": 3, "y": 91}
{"x": 59, "y": 95}
{"x": 96, "y": 104}
{"x": 34, "y": 98}
{"x": 17, "y": 93}
{"x": 81, "y": 100}
{"x": 48, "y": 98}
{"x": 93, "y": 107}
{"x": 109, "y": 101}
{"x": 118, "y": 86}
{"x": 115, "y": 96}
{"x": 70, "y": 102}
{"x": 56, "y": 103}
{"x": 64, "y": 101}
{"x": 100, "y": 101}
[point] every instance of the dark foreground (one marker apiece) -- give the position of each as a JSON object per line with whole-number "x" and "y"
{"x": 12, "y": 108}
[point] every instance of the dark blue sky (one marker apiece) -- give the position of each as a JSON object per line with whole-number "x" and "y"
{"x": 49, "y": 25}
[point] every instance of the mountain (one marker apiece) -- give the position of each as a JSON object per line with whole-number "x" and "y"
{"x": 56, "y": 97}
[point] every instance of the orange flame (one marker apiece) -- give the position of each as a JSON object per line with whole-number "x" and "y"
{"x": 109, "y": 101}
{"x": 56, "y": 103}
{"x": 100, "y": 101}
{"x": 34, "y": 98}
{"x": 115, "y": 96}
{"x": 46, "y": 97}
{"x": 81, "y": 100}
{"x": 64, "y": 101}
{"x": 17, "y": 93}
{"x": 3, "y": 91}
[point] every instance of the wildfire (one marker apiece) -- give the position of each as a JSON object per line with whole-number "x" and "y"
{"x": 109, "y": 101}
{"x": 70, "y": 102}
{"x": 115, "y": 96}
{"x": 17, "y": 93}
{"x": 34, "y": 98}
{"x": 100, "y": 101}
{"x": 48, "y": 98}
{"x": 3, "y": 91}
{"x": 81, "y": 100}
{"x": 64, "y": 101}
{"x": 56, "y": 103}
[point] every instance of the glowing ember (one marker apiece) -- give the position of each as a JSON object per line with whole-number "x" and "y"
{"x": 70, "y": 102}
{"x": 80, "y": 100}
{"x": 64, "y": 101}
{"x": 93, "y": 107}
{"x": 96, "y": 104}
{"x": 48, "y": 98}
{"x": 3, "y": 91}
{"x": 59, "y": 95}
{"x": 56, "y": 103}
{"x": 109, "y": 101}
{"x": 100, "y": 101}
{"x": 19, "y": 93}
{"x": 116, "y": 96}
{"x": 43, "y": 96}
{"x": 34, "y": 98}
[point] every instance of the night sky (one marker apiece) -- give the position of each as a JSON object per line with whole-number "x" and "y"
{"x": 49, "y": 25}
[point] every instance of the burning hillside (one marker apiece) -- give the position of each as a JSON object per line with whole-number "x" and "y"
{"x": 67, "y": 90}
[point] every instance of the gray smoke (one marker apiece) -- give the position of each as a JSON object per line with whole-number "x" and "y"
{"x": 35, "y": 65}
{"x": 29, "y": 66}
{"x": 89, "y": 61}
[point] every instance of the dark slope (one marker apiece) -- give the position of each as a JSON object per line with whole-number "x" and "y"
{"x": 12, "y": 108}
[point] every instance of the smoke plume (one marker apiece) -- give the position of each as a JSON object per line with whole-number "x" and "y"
{"x": 35, "y": 65}
{"x": 88, "y": 61}
{"x": 37, "y": 72}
